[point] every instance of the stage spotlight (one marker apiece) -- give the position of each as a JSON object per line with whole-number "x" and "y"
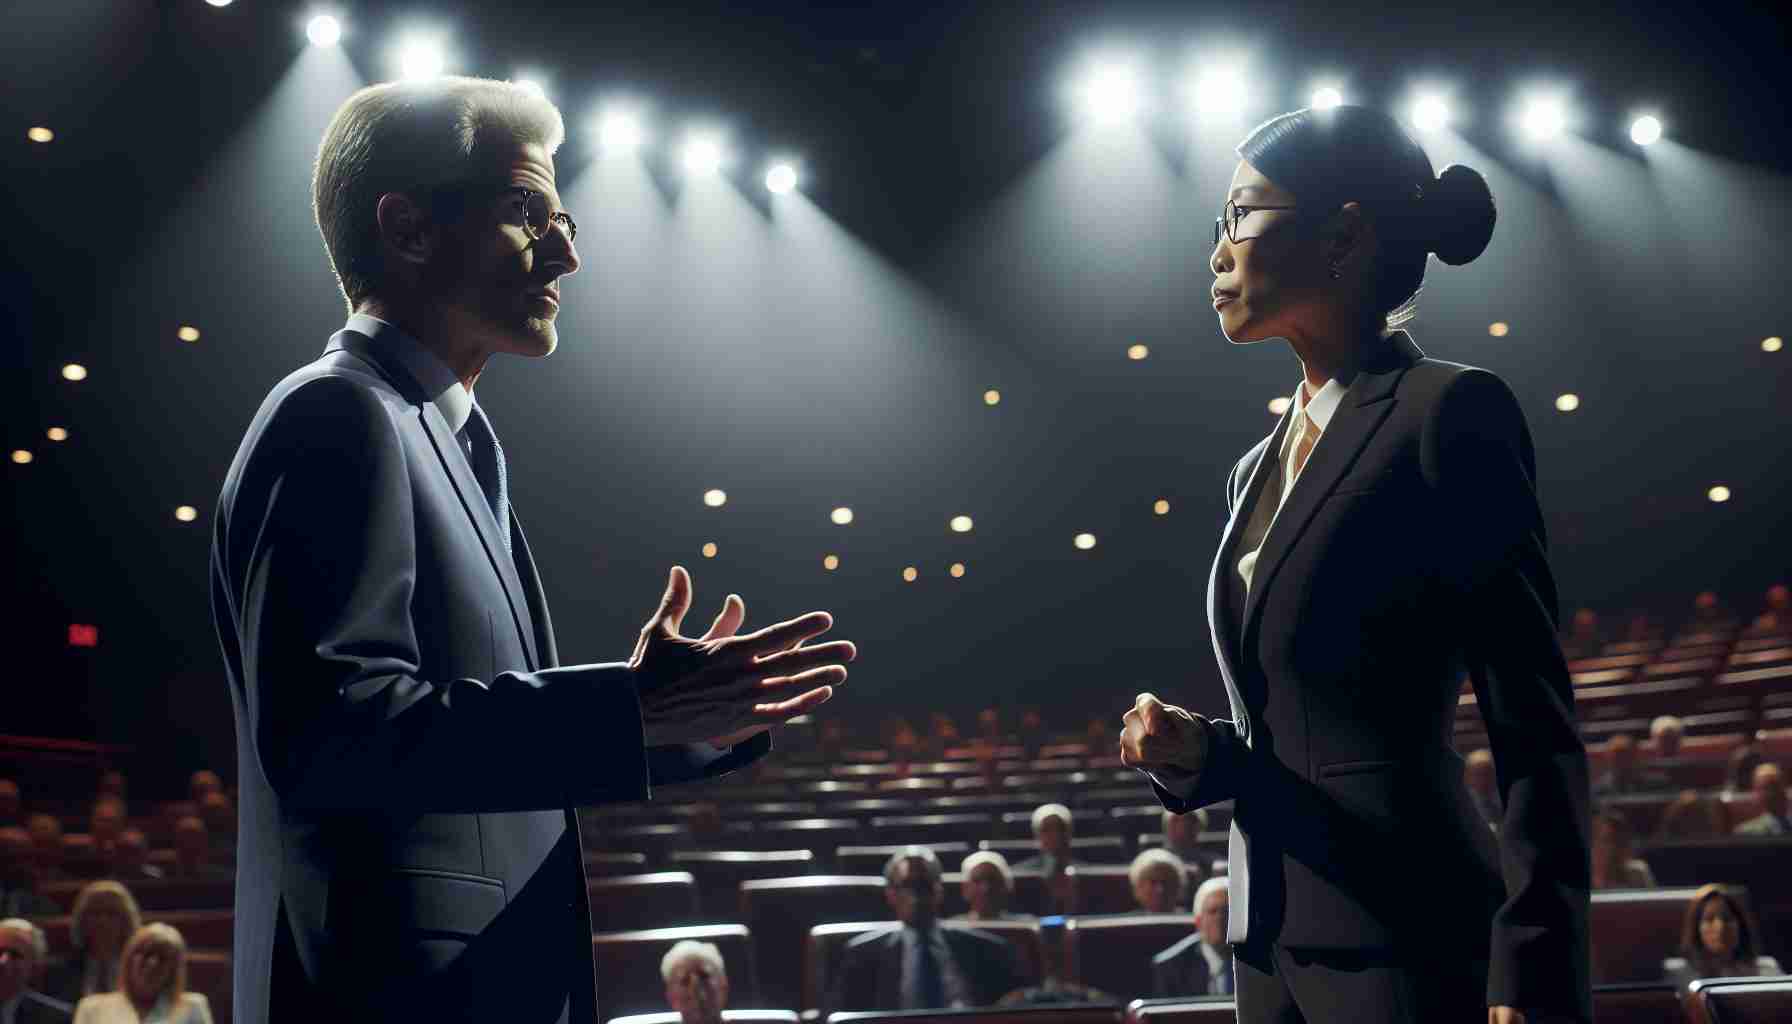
{"x": 961, "y": 524}
{"x": 187, "y": 333}
{"x": 909, "y": 574}
{"x": 709, "y": 550}
{"x": 1219, "y": 91}
{"x": 1430, "y": 114}
{"x": 1085, "y": 541}
{"x": 1544, "y": 118}
{"x": 957, "y": 570}
{"x": 186, "y": 513}
{"x": 1162, "y": 507}
{"x": 619, "y": 129}
{"x": 702, "y": 155}
{"x": 1137, "y": 352}
{"x": 1645, "y": 130}
{"x": 323, "y": 30}
{"x": 991, "y": 397}
{"x": 1110, "y": 93}
{"x": 1567, "y": 402}
{"x": 831, "y": 562}
{"x": 842, "y": 516}
{"x": 715, "y": 498}
{"x": 1718, "y": 493}
{"x": 781, "y": 178}
{"x": 57, "y": 434}
{"x": 74, "y": 371}
{"x": 1327, "y": 98}
{"x": 39, "y": 133}
{"x": 1278, "y": 405}
{"x": 421, "y": 58}
{"x": 21, "y": 456}
{"x": 1498, "y": 328}
{"x": 1771, "y": 344}
{"x": 218, "y": 3}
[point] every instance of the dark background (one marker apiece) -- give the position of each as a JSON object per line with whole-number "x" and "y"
{"x": 957, "y": 229}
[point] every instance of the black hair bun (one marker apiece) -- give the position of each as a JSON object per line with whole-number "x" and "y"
{"x": 1459, "y": 209}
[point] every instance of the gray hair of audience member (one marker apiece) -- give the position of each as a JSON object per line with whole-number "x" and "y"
{"x": 1218, "y": 883}
{"x": 691, "y": 949}
{"x": 98, "y": 890}
{"x": 1199, "y": 814}
{"x": 40, "y": 946}
{"x": 1045, "y": 811}
{"x": 982, "y": 857}
{"x": 1152, "y": 857}
{"x": 913, "y": 852}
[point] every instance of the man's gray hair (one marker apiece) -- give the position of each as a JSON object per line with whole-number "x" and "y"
{"x": 40, "y": 947}
{"x": 1663, "y": 723}
{"x": 1044, "y": 811}
{"x": 1153, "y": 857}
{"x": 691, "y": 949}
{"x": 913, "y": 852}
{"x": 409, "y": 137}
{"x": 992, "y": 857}
{"x": 1218, "y": 883}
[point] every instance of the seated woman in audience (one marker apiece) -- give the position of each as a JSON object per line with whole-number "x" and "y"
{"x": 104, "y": 918}
{"x": 1717, "y": 940}
{"x": 152, "y": 985}
{"x": 988, "y": 886}
{"x": 1692, "y": 816}
{"x": 1615, "y": 865}
{"x": 1158, "y": 878}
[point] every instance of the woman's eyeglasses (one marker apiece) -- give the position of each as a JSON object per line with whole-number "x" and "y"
{"x": 1229, "y": 217}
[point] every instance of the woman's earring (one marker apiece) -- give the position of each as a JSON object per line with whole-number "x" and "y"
{"x": 1336, "y": 273}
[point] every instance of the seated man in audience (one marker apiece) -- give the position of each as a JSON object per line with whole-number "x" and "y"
{"x": 11, "y": 807}
{"x": 203, "y": 783}
{"x": 918, "y": 964}
{"x": 46, "y": 844}
{"x": 1691, "y": 816}
{"x": 219, "y": 813}
{"x": 112, "y": 784}
{"x": 1667, "y": 732}
{"x": 1739, "y": 775}
{"x": 988, "y": 887}
{"x": 1615, "y": 865}
{"x": 104, "y": 825}
{"x": 1182, "y": 837}
{"x": 1052, "y": 831}
{"x": 1483, "y": 785}
{"x": 22, "y": 952}
{"x": 130, "y": 858}
{"x": 1770, "y": 792}
{"x": 696, "y": 981}
{"x": 1158, "y": 879}
{"x": 193, "y": 851}
{"x": 19, "y": 893}
{"x": 1627, "y": 775}
{"x": 1200, "y": 965}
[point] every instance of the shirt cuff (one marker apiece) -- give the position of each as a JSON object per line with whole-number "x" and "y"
{"x": 1180, "y": 785}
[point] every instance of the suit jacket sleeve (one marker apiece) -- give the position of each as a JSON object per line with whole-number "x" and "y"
{"x": 1477, "y": 453}
{"x": 320, "y": 576}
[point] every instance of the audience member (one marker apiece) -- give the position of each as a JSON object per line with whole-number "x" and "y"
{"x": 1717, "y": 940}
{"x": 202, "y": 783}
{"x": 1182, "y": 837}
{"x": 219, "y": 812}
{"x": 988, "y": 887}
{"x": 130, "y": 858}
{"x": 917, "y": 964}
{"x": 152, "y": 984}
{"x": 193, "y": 851}
{"x": 989, "y": 725}
{"x": 1778, "y": 616}
{"x": 1200, "y": 965}
{"x": 1483, "y": 784}
{"x": 1052, "y": 831}
{"x": 1627, "y": 775}
{"x": 1709, "y": 613}
{"x": 104, "y": 824}
{"x": 1158, "y": 879}
{"x": 1615, "y": 865}
{"x": 112, "y": 784}
{"x": 1667, "y": 731}
{"x": 104, "y": 918}
{"x": 22, "y": 953}
{"x": 19, "y": 892}
{"x": 1583, "y": 638}
{"x": 11, "y": 807}
{"x": 696, "y": 981}
{"x": 1770, "y": 793}
{"x": 1740, "y": 776}
{"x": 1692, "y": 816}
{"x": 1100, "y": 735}
{"x": 46, "y": 845}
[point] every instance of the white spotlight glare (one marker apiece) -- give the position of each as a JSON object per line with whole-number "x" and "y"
{"x": 1220, "y": 91}
{"x": 781, "y": 178}
{"x": 421, "y": 58}
{"x": 619, "y": 129}
{"x": 1645, "y": 130}
{"x": 1111, "y": 93}
{"x": 702, "y": 156}
{"x": 218, "y": 3}
{"x": 1327, "y": 98}
{"x": 323, "y": 30}
{"x": 531, "y": 85}
{"x": 1544, "y": 119}
{"x": 1430, "y": 113}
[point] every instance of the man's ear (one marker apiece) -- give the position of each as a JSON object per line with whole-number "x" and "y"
{"x": 405, "y": 228}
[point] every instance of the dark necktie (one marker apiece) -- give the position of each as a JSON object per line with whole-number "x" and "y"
{"x": 930, "y": 984}
{"x": 488, "y": 467}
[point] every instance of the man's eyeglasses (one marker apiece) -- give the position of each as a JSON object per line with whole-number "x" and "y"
{"x": 538, "y": 217}
{"x": 1229, "y": 217}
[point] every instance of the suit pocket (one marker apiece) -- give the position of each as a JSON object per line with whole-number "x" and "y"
{"x": 416, "y": 903}
{"x": 1337, "y": 768}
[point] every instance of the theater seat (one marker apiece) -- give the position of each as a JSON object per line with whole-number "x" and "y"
{"x": 208, "y": 973}
{"x": 822, "y": 952}
{"x": 661, "y": 899}
{"x": 1653, "y": 1003}
{"x": 1634, "y": 930}
{"x": 628, "y": 965}
{"x": 870, "y": 860}
{"x": 1114, "y": 954}
{"x": 160, "y": 893}
{"x": 615, "y": 863}
{"x": 1083, "y": 1014}
{"x": 1185, "y": 1010}
{"x": 928, "y": 828}
{"x": 728, "y": 1017}
{"x": 780, "y": 912}
{"x": 1100, "y": 849}
{"x": 719, "y": 874}
{"x": 795, "y": 834}
{"x": 1103, "y": 888}
{"x": 1739, "y": 1001}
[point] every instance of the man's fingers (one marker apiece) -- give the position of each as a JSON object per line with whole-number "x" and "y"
{"x": 786, "y": 635}
{"x": 734, "y": 612}
{"x": 801, "y": 704}
{"x": 797, "y": 658}
{"x": 826, "y": 675}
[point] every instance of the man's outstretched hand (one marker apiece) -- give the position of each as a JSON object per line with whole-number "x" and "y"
{"x": 1161, "y": 737}
{"x": 720, "y": 688}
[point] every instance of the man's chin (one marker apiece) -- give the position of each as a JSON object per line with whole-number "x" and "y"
{"x": 538, "y": 337}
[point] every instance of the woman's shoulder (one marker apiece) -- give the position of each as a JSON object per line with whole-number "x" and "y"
{"x": 1767, "y": 965}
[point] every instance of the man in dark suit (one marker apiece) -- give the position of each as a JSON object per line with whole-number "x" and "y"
{"x": 410, "y": 749}
{"x": 1200, "y": 965}
{"x": 920, "y": 964}
{"x": 1409, "y": 550}
{"x": 22, "y": 954}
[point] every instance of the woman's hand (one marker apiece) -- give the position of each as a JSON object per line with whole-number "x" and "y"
{"x": 1163, "y": 737}
{"x": 1504, "y": 1015}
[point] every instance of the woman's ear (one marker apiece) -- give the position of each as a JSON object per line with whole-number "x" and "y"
{"x": 1348, "y": 234}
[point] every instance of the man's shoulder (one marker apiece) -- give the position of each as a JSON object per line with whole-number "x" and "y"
{"x": 873, "y": 939}
{"x": 1189, "y": 946}
{"x": 1759, "y": 825}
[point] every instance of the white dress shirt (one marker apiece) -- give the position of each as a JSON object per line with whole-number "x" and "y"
{"x": 1218, "y": 965}
{"x": 445, "y": 390}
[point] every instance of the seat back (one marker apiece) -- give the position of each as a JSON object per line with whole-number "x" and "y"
{"x": 822, "y": 953}
{"x": 781, "y": 911}
{"x": 1740, "y": 1000}
{"x": 1645, "y": 1003}
{"x": 208, "y": 973}
{"x": 1103, "y": 889}
{"x": 628, "y": 965}
{"x": 928, "y": 828}
{"x": 661, "y": 899}
{"x": 1114, "y": 954}
{"x": 1634, "y": 930}
{"x": 816, "y": 834}
{"x": 1184, "y": 1010}
{"x": 160, "y": 893}
{"x": 720, "y": 872}
{"x": 728, "y": 1017}
{"x": 1071, "y": 1014}
{"x": 870, "y": 860}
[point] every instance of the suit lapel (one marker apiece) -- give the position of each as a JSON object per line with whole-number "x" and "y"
{"x": 1222, "y": 612}
{"x": 472, "y": 497}
{"x": 1368, "y": 403}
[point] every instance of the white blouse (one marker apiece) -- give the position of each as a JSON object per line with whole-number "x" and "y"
{"x": 114, "y": 1008}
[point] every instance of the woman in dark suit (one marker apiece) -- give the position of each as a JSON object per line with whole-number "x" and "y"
{"x": 1383, "y": 542}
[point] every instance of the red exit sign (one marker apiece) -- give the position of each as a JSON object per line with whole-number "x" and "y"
{"x": 82, "y": 635}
